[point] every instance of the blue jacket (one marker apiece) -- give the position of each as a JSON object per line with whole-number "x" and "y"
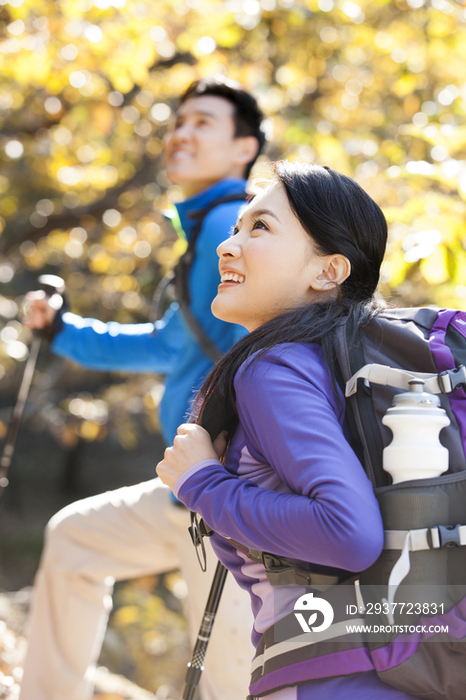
{"x": 172, "y": 350}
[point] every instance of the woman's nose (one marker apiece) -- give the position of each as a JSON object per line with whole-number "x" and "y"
{"x": 228, "y": 249}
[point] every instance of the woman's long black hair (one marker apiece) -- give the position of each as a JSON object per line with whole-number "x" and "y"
{"x": 340, "y": 218}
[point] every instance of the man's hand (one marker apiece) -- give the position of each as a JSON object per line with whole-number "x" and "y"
{"x": 191, "y": 445}
{"x": 39, "y": 313}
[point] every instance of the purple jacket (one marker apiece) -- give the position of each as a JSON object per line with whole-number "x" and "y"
{"x": 292, "y": 485}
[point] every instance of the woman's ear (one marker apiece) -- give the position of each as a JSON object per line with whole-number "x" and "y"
{"x": 335, "y": 270}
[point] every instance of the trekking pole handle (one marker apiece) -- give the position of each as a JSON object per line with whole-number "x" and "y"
{"x": 54, "y": 288}
{"x": 8, "y": 449}
{"x": 196, "y": 665}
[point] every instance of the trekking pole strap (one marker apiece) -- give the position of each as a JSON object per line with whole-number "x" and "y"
{"x": 279, "y": 570}
{"x": 389, "y": 376}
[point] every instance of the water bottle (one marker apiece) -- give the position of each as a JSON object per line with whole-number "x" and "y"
{"x": 415, "y": 420}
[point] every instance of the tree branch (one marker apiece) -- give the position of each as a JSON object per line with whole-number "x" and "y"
{"x": 16, "y": 232}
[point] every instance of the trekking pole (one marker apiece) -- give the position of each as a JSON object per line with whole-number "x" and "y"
{"x": 196, "y": 665}
{"x": 51, "y": 284}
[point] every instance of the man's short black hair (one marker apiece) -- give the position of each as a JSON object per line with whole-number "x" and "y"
{"x": 248, "y": 116}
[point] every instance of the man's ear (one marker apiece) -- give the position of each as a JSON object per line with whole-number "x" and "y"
{"x": 246, "y": 149}
{"x": 335, "y": 270}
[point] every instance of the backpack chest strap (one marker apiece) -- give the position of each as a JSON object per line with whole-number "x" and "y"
{"x": 442, "y": 383}
{"x": 426, "y": 538}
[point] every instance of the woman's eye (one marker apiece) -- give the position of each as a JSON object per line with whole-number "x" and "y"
{"x": 258, "y": 224}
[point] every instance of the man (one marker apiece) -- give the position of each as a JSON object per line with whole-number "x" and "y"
{"x": 138, "y": 530}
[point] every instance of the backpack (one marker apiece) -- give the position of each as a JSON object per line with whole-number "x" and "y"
{"x": 423, "y": 565}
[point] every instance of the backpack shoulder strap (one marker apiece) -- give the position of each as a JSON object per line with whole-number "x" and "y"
{"x": 200, "y": 214}
{"x": 360, "y": 412}
{"x": 183, "y": 269}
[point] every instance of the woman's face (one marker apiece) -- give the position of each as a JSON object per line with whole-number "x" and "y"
{"x": 269, "y": 265}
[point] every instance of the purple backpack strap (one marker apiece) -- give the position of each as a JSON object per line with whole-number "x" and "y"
{"x": 444, "y": 359}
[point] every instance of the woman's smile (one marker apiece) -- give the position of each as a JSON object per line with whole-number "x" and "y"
{"x": 230, "y": 277}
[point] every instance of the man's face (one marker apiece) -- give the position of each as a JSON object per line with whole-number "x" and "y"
{"x": 200, "y": 146}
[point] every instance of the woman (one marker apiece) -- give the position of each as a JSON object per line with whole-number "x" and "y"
{"x": 305, "y": 253}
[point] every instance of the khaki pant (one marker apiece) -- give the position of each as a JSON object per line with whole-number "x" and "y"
{"x": 123, "y": 534}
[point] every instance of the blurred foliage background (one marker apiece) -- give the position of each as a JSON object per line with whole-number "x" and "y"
{"x": 374, "y": 88}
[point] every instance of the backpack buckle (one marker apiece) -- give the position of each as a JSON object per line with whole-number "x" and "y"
{"x": 450, "y": 379}
{"x": 449, "y": 536}
{"x": 279, "y": 572}
{"x": 271, "y": 561}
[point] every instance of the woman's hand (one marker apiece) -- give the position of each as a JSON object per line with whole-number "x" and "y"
{"x": 191, "y": 445}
